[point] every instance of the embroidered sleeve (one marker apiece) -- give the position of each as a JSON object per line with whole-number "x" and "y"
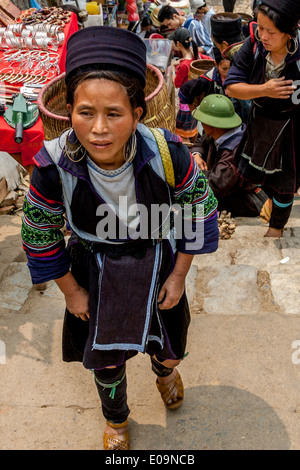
{"x": 199, "y": 233}
{"x": 43, "y": 240}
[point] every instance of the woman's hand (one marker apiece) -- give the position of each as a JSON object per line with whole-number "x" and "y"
{"x": 171, "y": 292}
{"x": 78, "y": 303}
{"x": 173, "y": 289}
{"x": 279, "y": 88}
{"x": 200, "y": 162}
{"x": 77, "y": 298}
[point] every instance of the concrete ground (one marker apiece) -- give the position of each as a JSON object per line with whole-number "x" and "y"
{"x": 241, "y": 377}
{"x": 242, "y": 374}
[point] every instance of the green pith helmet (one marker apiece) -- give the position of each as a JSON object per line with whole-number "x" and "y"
{"x": 217, "y": 111}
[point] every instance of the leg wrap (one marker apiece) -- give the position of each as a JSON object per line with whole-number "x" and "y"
{"x": 281, "y": 210}
{"x": 159, "y": 369}
{"x": 112, "y": 388}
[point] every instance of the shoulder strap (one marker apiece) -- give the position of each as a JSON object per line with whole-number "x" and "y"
{"x": 165, "y": 156}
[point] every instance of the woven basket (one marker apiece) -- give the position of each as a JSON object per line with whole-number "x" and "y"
{"x": 160, "y": 112}
{"x": 199, "y": 67}
{"x": 52, "y": 104}
{"x": 245, "y": 18}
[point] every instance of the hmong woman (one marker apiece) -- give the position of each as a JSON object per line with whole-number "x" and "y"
{"x": 267, "y": 71}
{"x": 123, "y": 274}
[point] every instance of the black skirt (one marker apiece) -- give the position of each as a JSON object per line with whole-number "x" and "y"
{"x": 78, "y": 335}
{"x": 267, "y": 152}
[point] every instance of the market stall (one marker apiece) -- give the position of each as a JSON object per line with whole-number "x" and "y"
{"x": 32, "y": 53}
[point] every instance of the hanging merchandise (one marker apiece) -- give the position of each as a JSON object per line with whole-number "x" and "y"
{"x": 131, "y": 8}
{"x": 133, "y": 17}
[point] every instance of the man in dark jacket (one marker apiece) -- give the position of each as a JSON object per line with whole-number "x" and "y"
{"x": 214, "y": 152}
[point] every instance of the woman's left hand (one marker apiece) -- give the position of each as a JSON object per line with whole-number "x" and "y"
{"x": 171, "y": 292}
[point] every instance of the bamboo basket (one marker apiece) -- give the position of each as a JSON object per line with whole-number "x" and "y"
{"x": 160, "y": 111}
{"x": 52, "y": 104}
{"x": 199, "y": 67}
{"x": 245, "y": 18}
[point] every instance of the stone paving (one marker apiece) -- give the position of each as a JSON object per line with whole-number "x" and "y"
{"x": 242, "y": 374}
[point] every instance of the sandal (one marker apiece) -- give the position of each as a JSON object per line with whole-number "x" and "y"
{"x": 266, "y": 212}
{"x": 116, "y": 441}
{"x": 170, "y": 391}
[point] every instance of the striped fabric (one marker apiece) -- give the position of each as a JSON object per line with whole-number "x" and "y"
{"x": 186, "y": 124}
{"x": 195, "y": 192}
{"x": 201, "y": 36}
{"x": 43, "y": 240}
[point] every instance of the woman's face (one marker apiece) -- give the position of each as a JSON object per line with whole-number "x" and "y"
{"x": 271, "y": 37}
{"x": 103, "y": 120}
{"x": 224, "y": 67}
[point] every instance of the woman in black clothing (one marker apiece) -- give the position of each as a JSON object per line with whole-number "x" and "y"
{"x": 266, "y": 71}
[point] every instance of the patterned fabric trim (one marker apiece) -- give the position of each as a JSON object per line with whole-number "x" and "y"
{"x": 42, "y": 224}
{"x": 195, "y": 191}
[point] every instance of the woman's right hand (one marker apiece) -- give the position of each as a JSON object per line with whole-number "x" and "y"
{"x": 200, "y": 162}
{"x": 78, "y": 303}
{"x": 279, "y": 88}
{"x": 77, "y": 298}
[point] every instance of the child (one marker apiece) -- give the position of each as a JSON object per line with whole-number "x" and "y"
{"x": 212, "y": 81}
{"x": 186, "y": 125}
{"x": 224, "y": 129}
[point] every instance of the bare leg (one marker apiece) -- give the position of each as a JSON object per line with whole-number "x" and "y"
{"x": 274, "y": 232}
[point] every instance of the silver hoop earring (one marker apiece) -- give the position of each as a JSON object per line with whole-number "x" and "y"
{"x": 129, "y": 149}
{"x": 296, "y": 46}
{"x": 256, "y": 35}
{"x": 72, "y": 149}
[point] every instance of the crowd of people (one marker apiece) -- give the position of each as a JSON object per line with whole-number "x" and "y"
{"x": 123, "y": 273}
{"x": 243, "y": 61}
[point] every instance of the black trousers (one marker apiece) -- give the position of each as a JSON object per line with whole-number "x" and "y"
{"x": 112, "y": 389}
{"x": 243, "y": 204}
{"x": 282, "y": 205}
{"x": 229, "y": 5}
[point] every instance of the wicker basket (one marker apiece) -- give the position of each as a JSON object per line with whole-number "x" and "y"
{"x": 245, "y": 18}
{"x": 199, "y": 67}
{"x": 52, "y": 104}
{"x": 160, "y": 112}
